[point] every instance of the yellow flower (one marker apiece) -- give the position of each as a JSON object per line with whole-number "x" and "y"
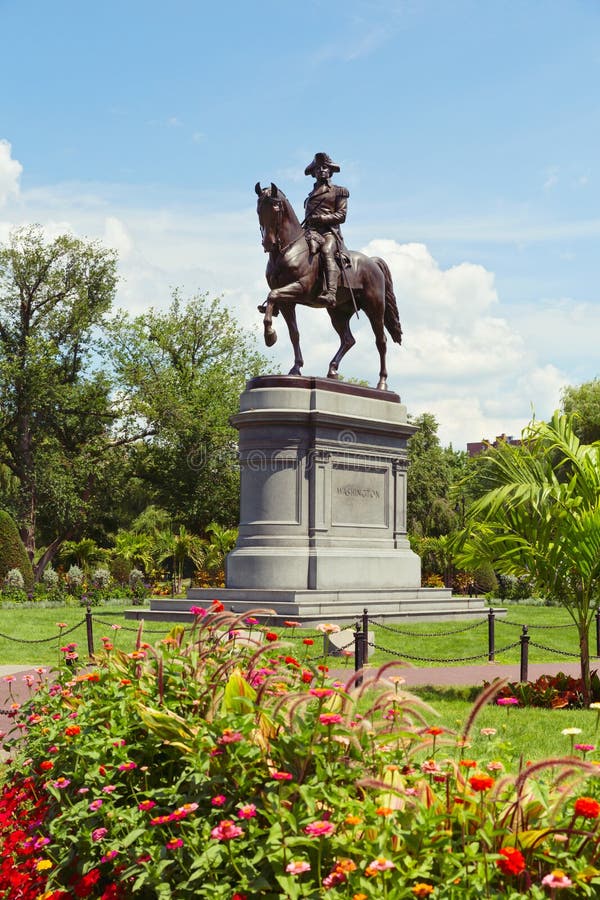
{"x": 43, "y": 865}
{"x": 422, "y": 890}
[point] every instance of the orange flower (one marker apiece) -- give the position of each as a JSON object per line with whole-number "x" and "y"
{"x": 421, "y": 889}
{"x": 513, "y": 861}
{"x": 468, "y": 763}
{"x": 384, "y": 811}
{"x": 587, "y": 807}
{"x": 481, "y": 782}
{"x": 353, "y": 820}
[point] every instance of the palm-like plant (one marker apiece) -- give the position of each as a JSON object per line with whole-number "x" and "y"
{"x": 178, "y": 548}
{"x": 84, "y": 553}
{"x": 540, "y": 517}
{"x": 135, "y": 549}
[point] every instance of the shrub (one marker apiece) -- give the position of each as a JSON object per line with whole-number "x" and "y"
{"x": 14, "y": 579}
{"x": 50, "y": 578}
{"x": 13, "y": 554}
{"x": 74, "y": 578}
{"x": 485, "y": 579}
{"x": 214, "y": 766}
{"x": 101, "y": 578}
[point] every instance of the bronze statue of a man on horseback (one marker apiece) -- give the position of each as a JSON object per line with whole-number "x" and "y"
{"x": 309, "y": 264}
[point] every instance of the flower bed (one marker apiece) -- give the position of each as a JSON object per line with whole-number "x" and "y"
{"x": 210, "y": 766}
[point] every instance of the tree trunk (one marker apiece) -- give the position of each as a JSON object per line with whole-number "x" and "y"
{"x": 584, "y": 653}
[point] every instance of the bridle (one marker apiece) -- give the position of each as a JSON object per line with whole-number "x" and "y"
{"x": 278, "y": 211}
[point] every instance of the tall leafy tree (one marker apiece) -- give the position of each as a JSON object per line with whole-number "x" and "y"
{"x": 55, "y": 408}
{"x": 433, "y": 468}
{"x": 539, "y": 517}
{"x": 583, "y": 403}
{"x": 182, "y": 371}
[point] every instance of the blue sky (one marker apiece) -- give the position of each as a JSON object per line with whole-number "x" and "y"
{"x": 467, "y": 133}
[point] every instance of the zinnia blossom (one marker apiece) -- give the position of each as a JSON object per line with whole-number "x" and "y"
{"x": 381, "y": 864}
{"x": 219, "y": 800}
{"x": 512, "y": 862}
{"x": 174, "y": 844}
{"x": 271, "y": 636}
{"x": 330, "y": 718}
{"x": 587, "y": 807}
{"x": 226, "y": 830}
{"x": 99, "y": 833}
{"x": 557, "y": 879}
{"x": 320, "y": 829}
{"x": 507, "y": 701}
{"x": 248, "y": 811}
{"x": 422, "y": 889}
{"x": 297, "y": 867}
{"x": 481, "y": 782}
{"x": 282, "y": 776}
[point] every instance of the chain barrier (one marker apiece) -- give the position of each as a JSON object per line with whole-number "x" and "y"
{"x": 546, "y": 627}
{"x": 561, "y": 652}
{"x": 429, "y": 635}
{"x": 129, "y": 628}
{"x": 54, "y": 637}
{"x": 448, "y": 660}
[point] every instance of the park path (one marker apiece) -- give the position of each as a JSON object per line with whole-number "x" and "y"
{"x": 440, "y": 676}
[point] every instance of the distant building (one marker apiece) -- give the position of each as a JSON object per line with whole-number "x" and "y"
{"x": 477, "y": 447}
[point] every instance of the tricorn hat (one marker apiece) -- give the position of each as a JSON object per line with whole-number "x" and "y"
{"x": 321, "y": 159}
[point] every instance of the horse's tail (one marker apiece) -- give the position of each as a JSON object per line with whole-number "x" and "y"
{"x": 391, "y": 319}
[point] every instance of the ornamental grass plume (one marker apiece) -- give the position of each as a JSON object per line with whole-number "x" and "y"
{"x": 221, "y": 772}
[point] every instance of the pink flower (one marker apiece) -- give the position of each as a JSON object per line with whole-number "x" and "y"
{"x": 381, "y": 864}
{"x": 330, "y": 718}
{"x": 321, "y": 692}
{"x": 174, "y": 844}
{"x": 127, "y": 766}
{"x": 230, "y": 736}
{"x": 320, "y": 829}
{"x": 197, "y": 611}
{"x": 507, "y": 701}
{"x": 95, "y": 804}
{"x": 109, "y": 856}
{"x": 183, "y": 811}
{"x": 219, "y": 800}
{"x": 61, "y": 783}
{"x": 99, "y": 833}
{"x": 556, "y": 879}
{"x": 247, "y": 812}
{"x": 226, "y": 830}
{"x": 146, "y": 805}
{"x": 282, "y": 776}
{"x": 297, "y": 867}
{"x": 109, "y": 788}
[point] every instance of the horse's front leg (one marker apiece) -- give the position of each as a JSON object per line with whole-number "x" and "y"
{"x": 269, "y": 332}
{"x": 289, "y": 314}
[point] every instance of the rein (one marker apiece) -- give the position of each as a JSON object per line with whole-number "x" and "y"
{"x": 279, "y": 215}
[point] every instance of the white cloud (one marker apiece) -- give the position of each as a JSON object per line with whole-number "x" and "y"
{"x": 476, "y": 363}
{"x": 10, "y": 172}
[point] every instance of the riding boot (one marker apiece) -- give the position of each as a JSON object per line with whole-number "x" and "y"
{"x": 331, "y": 275}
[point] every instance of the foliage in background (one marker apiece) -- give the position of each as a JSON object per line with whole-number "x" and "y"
{"x": 582, "y": 402}
{"x": 540, "y": 519}
{"x": 12, "y": 551}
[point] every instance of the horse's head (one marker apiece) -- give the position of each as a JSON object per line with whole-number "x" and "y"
{"x": 270, "y": 209}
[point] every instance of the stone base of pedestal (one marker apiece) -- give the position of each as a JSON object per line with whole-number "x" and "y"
{"x": 311, "y": 607}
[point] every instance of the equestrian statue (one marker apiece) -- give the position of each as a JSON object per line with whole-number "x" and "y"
{"x": 309, "y": 264}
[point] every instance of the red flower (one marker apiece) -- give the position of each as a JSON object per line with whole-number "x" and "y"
{"x": 512, "y": 863}
{"x": 481, "y": 782}
{"x": 72, "y": 730}
{"x": 46, "y": 765}
{"x": 587, "y": 807}
{"x": 271, "y": 636}
{"x": 307, "y": 676}
{"x": 217, "y": 606}
{"x": 308, "y": 641}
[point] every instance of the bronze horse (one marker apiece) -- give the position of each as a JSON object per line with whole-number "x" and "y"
{"x": 293, "y": 274}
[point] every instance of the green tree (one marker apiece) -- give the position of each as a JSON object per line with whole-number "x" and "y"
{"x": 583, "y": 403}
{"x": 540, "y": 518}
{"x": 55, "y": 405}
{"x": 12, "y": 551}
{"x": 186, "y": 368}
{"x": 432, "y": 470}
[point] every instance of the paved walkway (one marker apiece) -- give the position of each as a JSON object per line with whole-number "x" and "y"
{"x": 440, "y": 676}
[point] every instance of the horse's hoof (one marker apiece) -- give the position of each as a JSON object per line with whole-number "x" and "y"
{"x": 270, "y": 337}
{"x": 382, "y": 385}
{"x": 333, "y": 374}
{"x": 295, "y": 370}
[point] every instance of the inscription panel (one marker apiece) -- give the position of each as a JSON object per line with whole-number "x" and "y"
{"x": 359, "y": 496}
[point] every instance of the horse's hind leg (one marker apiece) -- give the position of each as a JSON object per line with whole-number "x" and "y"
{"x": 380, "y": 342}
{"x": 289, "y": 314}
{"x": 340, "y": 319}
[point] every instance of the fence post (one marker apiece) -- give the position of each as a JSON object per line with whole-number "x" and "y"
{"x": 90, "y": 631}
{"x": 365, "y": 636}
{"x": 598, "y": 632}
{"x": 358, "y": 652}
{"x": 491, "y": 636}
{"x": 524, "y": 654}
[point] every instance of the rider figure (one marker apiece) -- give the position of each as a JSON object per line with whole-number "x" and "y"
{"x": 325, "y": 209}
